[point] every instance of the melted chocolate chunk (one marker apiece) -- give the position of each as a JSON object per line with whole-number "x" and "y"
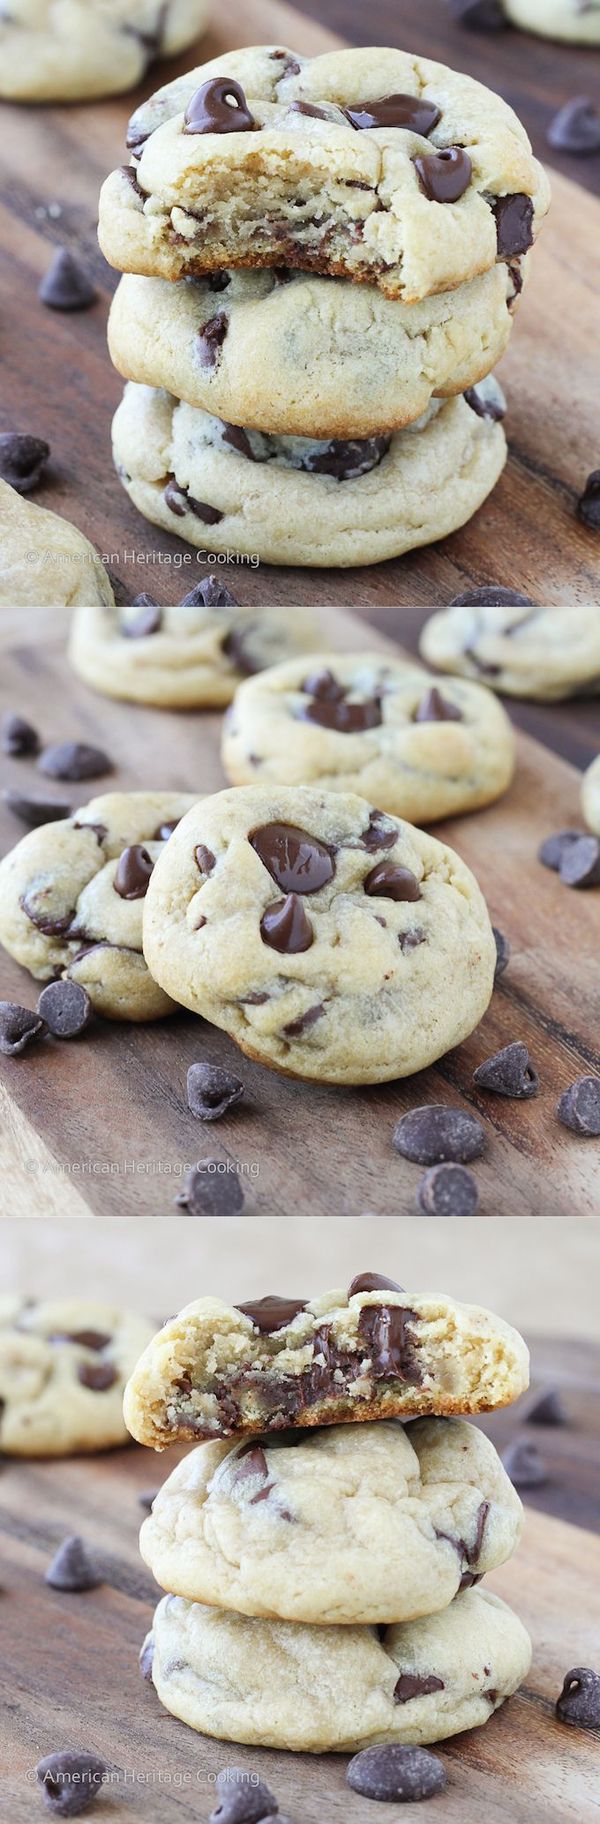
{"x": 272, "y": 1313}
{"x": 372, "y": 1282}
{"x": 296, "y": 1028}
{"x": 444, "y": 176}
{"x": 389, "y": 881}
{"x": 410, "y": 1685}
{"x": 233, "y": 435}
{"x": 410, "y": 112}
{"x": 285, "y": 927}
{"x": 377, "y": 836}
{"x": 133, "y": 872}
{"x": 211, "y": 339}
{"x": 299, "y": 863}
{"x": 433, "y": 707}
{"x": 219, "y": 106}
{"x": 251, "y": 1465}
{"x": 514, "y": 224}
{"x": 42, "y": 918}
{"x": 347, "y": 461}
{"x": 205, "y": 859}
{"x": 383, "y": 1330}
{"x": 98, "y": 1376}
{"x": 180, "y": 503}
{"x": 344, "y": 718}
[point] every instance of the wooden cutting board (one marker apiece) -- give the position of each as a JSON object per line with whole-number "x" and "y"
{"x": 101, "y": 1126}
{"x": 69, "y": 1675}
{"x": 58, "y": 383}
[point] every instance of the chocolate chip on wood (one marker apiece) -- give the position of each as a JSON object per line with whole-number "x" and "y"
{"x": 588, "y": 506}
{"x": 18, "y": 1026}
{"x": 576, "y": 127}
{"x": 492, "y": 596}
{"x": 74, "y": 760}
{"x": 524, "y": 1465}
{"x": 70, "y": 1781}
{"x": 448, "y": 1190}
{"x": 210, "y": 1189}
{"x": 509, "y": 1073}
{"x": 72, "y": 1567}
{"x": 34, "y": 811}
{"x": 579, "y": 1106}
{"x": 66, "y": 1008}
{"x": 66, "y": 285}
{"x": 243, "y": 1800}
{"x": 19, "y": 737}
{"x": 579, "y": 1701}
{"x": 433, "y": 1133}
{"x": 396, "y": 1774}
{"x": 479, "y": 15}
{"x": 211, "y": 1091}
{"x": 22, "y": 460}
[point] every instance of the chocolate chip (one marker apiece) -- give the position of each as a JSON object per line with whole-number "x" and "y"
{"x": 410, "y": 1685}
{"x": 237, "y": 646}
{"x": 509, "y": 1073}
{"x": 87, "y": 1339}
{"x": 576, "y": 127}
{"x": 383, "y": 1328}
{"x": 34, "y": 811}
{"x": 502, "y": 952}
{"x": 299, "y": 863}
{"x": 285, "y": 927}
{"x": 323, "y": 685}
{"x": 19, "y": 737}
{"x": 580, "y": 862}
{"x": 379, "y": 835}
{"x": 388, "y": 881}
{"x": 546, "y": 1409}
{"x": 66, "y": 286}
{"x": 296, "y": 1028}
{"x": 66, "y": 1008}
{"x": 272, "y": 1313}
{"x": 98, "y": 1376}
{"x": 514, "y": 224}
{"x": 205, "y": 859}
{"x": 306, "y": 107}
{"x": 211, "y": 1191}
{"x": 552, "y": 849}
{"x": 396, "y": 1773}
{"x": 74, "y": 760}
{"x": 524, "y": 1465}
{"x": 72, "y": 1567}
{"x": 346, "y": 461}
{"x": 487, "y": 399}
{"x": 433, "y": 707}
{"x": 372, "y": 1282}
{"x": 18, "y": 1026}
{"x": 579, "y": 1701}
{"x": 148, "y": 621}
{"x": 444, "y": 176}
{"x": 479, "y": 15}
{"x": 211, "y": 1091}
{"x": 211, "y": 338}
{"x": 448, "y": 1190}
{"x": 411, "y": 112}
{"x": 180, "y": 503}
{"x": 588, "y": 507}
{"x": 210, "y": 593}
{"x": 219, "y": 106}
{"x": 146, "y": 1657}
{"x": 165, "y": 830}
{"x": 344, "y": 718}
{"x": 579, "y": 1106}
{"x": 244, "y": 1800}
{"x": 491, "y": 596}
{"x": 133, "y": 872}
{"x": 70, "y": 1781}
{"x": 433, "y": 1133}
{"x": 22, "y": 460}
{"x": 409, "y": 940}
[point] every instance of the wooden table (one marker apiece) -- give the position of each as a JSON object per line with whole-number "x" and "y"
{"x": 58, "y": 383}
{"x": 78, "y": 1118}
{"x": 69, "y": 1676}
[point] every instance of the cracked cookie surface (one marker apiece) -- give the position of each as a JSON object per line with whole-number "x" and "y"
{"x": 44, "y": 561}
{"x": 262, "y": 1682}
{"x": 544, "y": 653}
{"x": 362, "y": 1523}
{"x": 371, "y": 164}
{"x": 54, "y": 51}
{"x": 192, "y": 656}
{"x": 72, "y": 896}
{"x": 414, "y": 744}
{"x": 63, "y": 1367}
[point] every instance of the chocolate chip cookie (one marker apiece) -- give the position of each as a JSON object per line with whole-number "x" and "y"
{"x": 72, "y": 897}
{"x": 370, "y": 164}
{"x": 298, "y": 355}
{"x": 590, "y": 796}
{"x": 263, "y": 1682}
{"x": 44, "y": 561}
{"x": 294, "y": 500}
{"x": 543, "y": 653}
{"x": 63, "y": 1366}
{"x": 373, "y": 1352}
{"x": 68, "y": 52}
{"x": 189, "y": 657}
{"x": 329, "y": 939}
{"x": 361, "y": 1523}
{"x": 364, "y": 722}
{"x": 577, "y": 21}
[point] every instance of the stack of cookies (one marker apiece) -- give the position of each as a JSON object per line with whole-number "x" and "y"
{"x": 322, "y": 1557}
{"x": 320, "y": 279}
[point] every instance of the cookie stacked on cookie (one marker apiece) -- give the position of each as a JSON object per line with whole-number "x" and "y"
{"x": 319, "y": 280}
{"x": 315, "y": 1543}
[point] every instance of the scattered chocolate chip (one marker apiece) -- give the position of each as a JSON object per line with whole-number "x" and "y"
{"x": 244, "y": 1800}
{"x": 66, "y": 286}
{"x": 579, "y": 1701}
{"x": 524, "y": 1465}
{"x": 396, "y": 1773}
{"x": 588, "y": 507}
{"x": 580, "y": 862}
{"x": 509, "y": 1073}
{"x": 389, "y": 881}
{"x": 210, "y": 593}
{"x": 546, "y": 1409}
{"x": 410, "y": 1685}
{"x": 514, "y": 224}
{"x": 134, "y": 868}
{"x": 66, "y": 1008}
{"x": 72, "y": 1568}
{"x": 211, "y": 1091}
{"x": 272, "y": 1313}
{"x": 74, "y": 760}
{"x": 34, "y": 811}
{"x": 372, "y": 1282}
{"x": 19, "y": 737}
{"x": 296, "y": 1028}
{"x": 18, "y": 1026}
{"x": 210, "y": 1190}
{"x": 487, "y": 399}
{"x": 576, "y": 127}
{"x": 491, "y": 596}
{"x": 448, "y": 1190}
{"x": 70, "y": 1781}
{"x": 579, "y": 1106}
{"x": 433, "y": 707}
{"x": 205, "y": 859}
{"x": 444, "y": 176}
{"x": 502, "y": 952}
{"x": 146, "y": 622}
{"x": 412, "y": 112}
{"x": 479, "y": 15}
{"x": 299, "y": 863}
{"x": 553, "y": 848}
{"x": 22, "y": 460}
{"x": 285, "y": 927}
{"x": 433, "y": 1133}
{"x": 146, "y": 1657}
{"x": 98, "y": 1376}
{"x": 218, "y": 106}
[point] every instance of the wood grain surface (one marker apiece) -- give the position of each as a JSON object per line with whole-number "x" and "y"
{"x": 110, "y": 1113}
{"x": 58, "y": 383}
{"x": 69, "y": 1675}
